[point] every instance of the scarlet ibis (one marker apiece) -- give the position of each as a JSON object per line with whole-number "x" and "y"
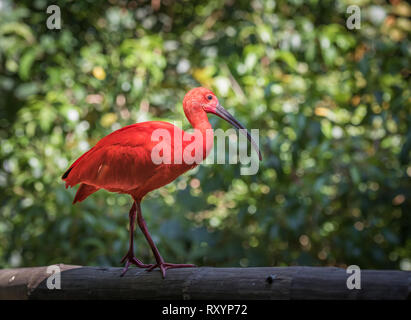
{"x": 121, "y": 162}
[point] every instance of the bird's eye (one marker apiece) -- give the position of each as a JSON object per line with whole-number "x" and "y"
{"x": 210, "y": 97}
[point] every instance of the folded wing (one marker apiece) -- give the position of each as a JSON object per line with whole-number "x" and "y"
{"x": 119, "y": 162}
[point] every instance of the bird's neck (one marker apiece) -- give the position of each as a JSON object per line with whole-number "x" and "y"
{"x": 207, "y": 135}
{"x": 203, "y": 125}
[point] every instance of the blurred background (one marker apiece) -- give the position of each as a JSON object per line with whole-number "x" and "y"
{"x": 332, "y": 105}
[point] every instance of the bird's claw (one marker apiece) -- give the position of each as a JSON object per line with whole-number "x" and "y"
{"x": 131, "y": 259}
{"x": 165, "y": 266}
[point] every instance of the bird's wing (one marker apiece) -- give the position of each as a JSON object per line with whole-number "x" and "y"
{"x": 121, "y": 160}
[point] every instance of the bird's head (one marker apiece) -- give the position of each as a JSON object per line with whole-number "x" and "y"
{"x": 200, "y": 101}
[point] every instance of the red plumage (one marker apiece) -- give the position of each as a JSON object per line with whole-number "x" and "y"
{"x": 121, "y": 162}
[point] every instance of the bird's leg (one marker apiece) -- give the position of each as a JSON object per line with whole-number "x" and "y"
{"x": 129, "y": 257}
{"x": 159, "y": 259}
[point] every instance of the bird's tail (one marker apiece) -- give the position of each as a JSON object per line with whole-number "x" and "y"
{"x": 84, "y": 191}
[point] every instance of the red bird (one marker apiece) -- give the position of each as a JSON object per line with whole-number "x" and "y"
{"x": 122, "y": 162}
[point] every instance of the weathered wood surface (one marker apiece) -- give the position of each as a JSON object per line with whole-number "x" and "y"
{"x": 79, "y": 282}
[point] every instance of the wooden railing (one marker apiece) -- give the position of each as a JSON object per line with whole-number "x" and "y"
{"x": 77, "y": 282}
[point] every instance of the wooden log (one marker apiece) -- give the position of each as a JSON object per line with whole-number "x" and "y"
{"x": 79, "y": 282}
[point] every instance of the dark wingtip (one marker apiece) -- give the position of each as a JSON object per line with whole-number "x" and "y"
{"x": 260, "y": 156}
{"x": 65, "y": 175}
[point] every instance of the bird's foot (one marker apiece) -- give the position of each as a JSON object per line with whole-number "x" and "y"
{"x": 129, "y": 258}
{"x": 165, "y": 266}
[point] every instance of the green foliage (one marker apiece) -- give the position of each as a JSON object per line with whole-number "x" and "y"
{"x": 332, "y": 106}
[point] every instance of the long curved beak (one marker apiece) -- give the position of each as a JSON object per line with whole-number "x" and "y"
{"x": 224, "y": 114}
